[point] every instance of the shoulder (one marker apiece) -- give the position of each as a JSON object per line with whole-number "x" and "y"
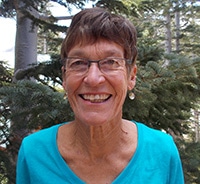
{"x": 42, "y": 138}
{"x": 156, "y": 139}
{"x": 151, "y": 133}
{"x": 43, "y": 132}
{"x": 155, "y": 142}
{"x": 161, "y": 150}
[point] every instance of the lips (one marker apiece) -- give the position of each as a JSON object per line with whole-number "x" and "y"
{"x": 96, "y": 98}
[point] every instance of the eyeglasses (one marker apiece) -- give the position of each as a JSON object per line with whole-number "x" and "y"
{"x": 107, "y": 65}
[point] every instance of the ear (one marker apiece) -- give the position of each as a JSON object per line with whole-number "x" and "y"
{"x": 132, "y": 78}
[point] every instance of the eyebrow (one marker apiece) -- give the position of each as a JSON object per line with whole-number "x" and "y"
{"x": 106, "y": 53}
{"x": 77, "y": 53}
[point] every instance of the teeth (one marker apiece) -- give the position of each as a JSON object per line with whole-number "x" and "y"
{"x": 96, "y": 98}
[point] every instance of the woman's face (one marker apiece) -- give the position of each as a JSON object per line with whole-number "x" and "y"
{"x": 96, "y": 97}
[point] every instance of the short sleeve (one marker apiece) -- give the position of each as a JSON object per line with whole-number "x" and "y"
{"x": 176, "y": 171}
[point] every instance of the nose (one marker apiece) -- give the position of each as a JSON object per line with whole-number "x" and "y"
{"x": 94, "y": 76}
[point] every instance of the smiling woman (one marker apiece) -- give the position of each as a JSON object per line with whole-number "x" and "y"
{"x": 112, "y": 82}
{"x": 98, "y": 146}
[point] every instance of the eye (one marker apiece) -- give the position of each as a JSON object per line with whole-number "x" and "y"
{"x": 108, "y": 61}
{"x": 76, "y": 63}
{"x": 111, "y": 62}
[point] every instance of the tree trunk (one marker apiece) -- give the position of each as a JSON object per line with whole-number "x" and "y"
{"x": 25, "y": 55}
{"x": 26, "y": 40}
{"x": 177, "y": 24}
{"x": 197, "y": 125}
{"x": 168, "y": 37}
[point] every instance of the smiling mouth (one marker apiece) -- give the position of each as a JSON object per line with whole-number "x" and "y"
{"x": 98, "y": 98}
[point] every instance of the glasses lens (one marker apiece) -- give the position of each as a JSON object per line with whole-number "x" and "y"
{"x": 110, "y": 64}
{"x": 77, "y": 64}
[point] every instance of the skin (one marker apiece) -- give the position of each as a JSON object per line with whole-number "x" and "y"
{"x": 98, "y": 144}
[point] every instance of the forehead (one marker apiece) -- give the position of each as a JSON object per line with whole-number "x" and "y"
{"x": 102, "y": 48}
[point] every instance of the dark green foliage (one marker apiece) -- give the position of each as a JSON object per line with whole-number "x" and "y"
{"x": 31, "y": 106}
{"x": 149, "y": 53}
{"x": 7, "y": 173}
{"x": 34, "y": 105}
{"x": 7, "y": 8}
{"x": 165, "y": 95}
{"x": 67, "y": 3}
{"x": 6, "y": 74}
{"x": 190, "y": 156}
{"x": 113, "y": 5}
{"x": 48, "y": 73}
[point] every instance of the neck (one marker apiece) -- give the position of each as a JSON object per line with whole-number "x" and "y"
{"x": 99, "y": 141}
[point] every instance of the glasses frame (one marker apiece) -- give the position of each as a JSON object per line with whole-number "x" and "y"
{"x": 89, "y": 62}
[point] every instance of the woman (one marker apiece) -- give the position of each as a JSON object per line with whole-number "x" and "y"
{"x": 98, "y": 146}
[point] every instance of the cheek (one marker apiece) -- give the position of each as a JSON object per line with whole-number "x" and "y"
{"x": 67, "y": 83}
{"x": 71, "y": 84}
{"x": 120, "y": 82}
{"x": 124, "y": 79}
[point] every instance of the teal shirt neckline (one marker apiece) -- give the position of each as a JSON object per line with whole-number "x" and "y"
{"x": 76, "y": 179}
{"x": 155, "y": 161}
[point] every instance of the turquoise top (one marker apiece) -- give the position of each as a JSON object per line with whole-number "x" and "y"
{"x": 155, "y": 161}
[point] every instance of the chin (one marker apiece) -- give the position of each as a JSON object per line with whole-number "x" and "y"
{"x": 93, "y": 121}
